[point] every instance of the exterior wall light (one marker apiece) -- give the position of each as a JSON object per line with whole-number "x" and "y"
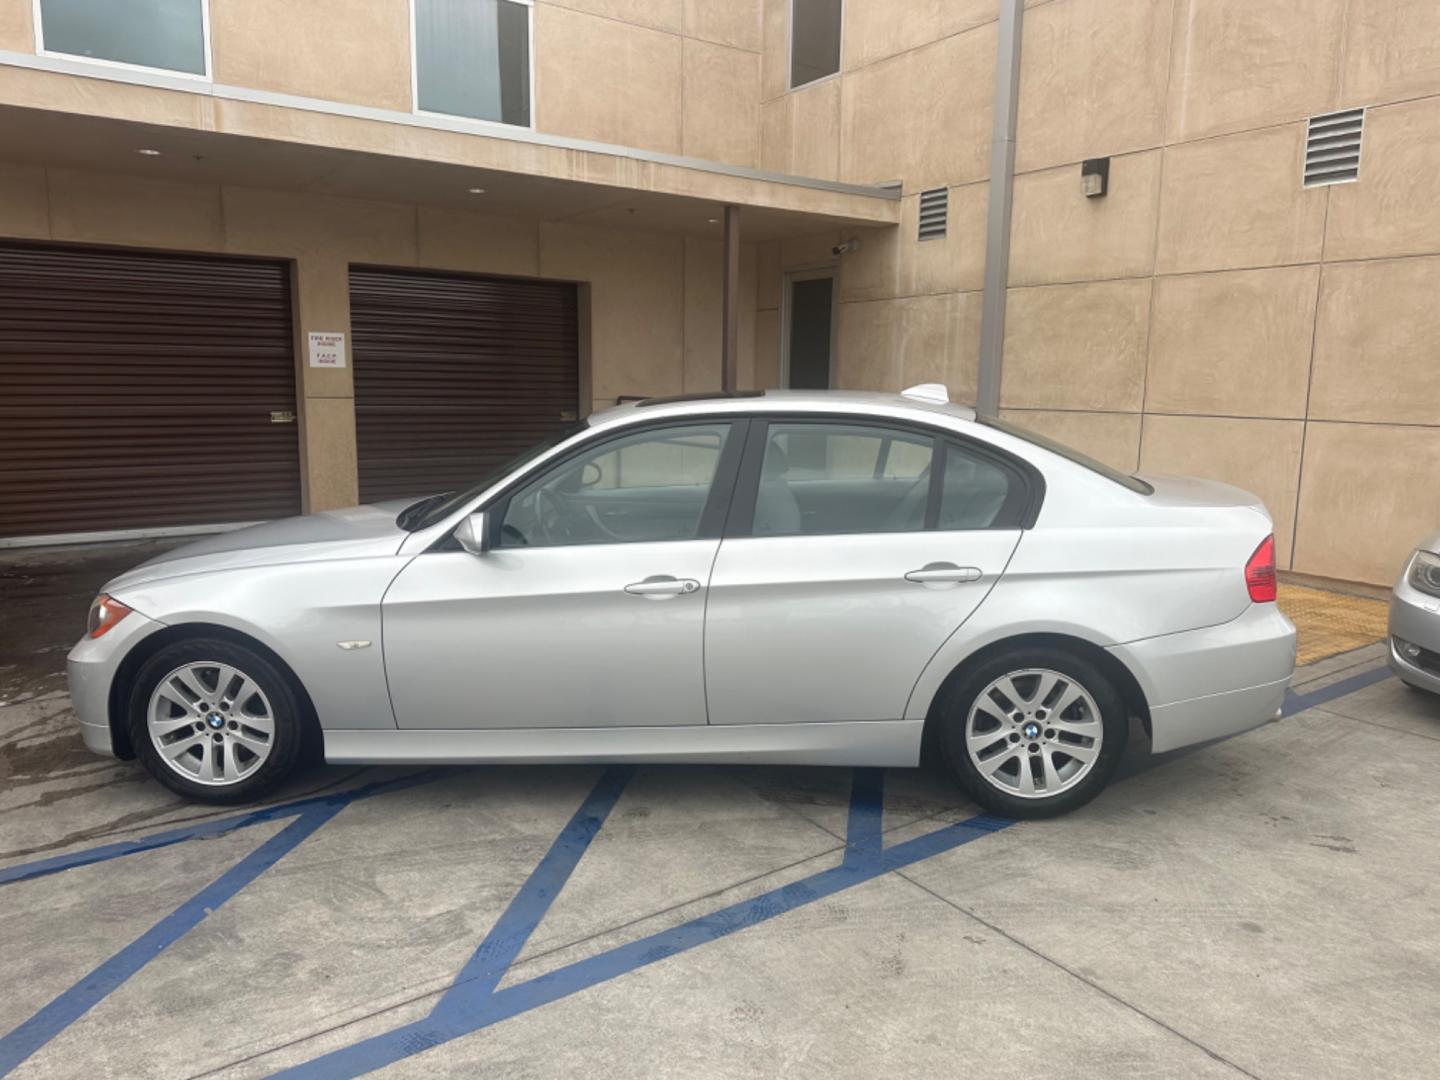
{"x": 1095, "y": 177}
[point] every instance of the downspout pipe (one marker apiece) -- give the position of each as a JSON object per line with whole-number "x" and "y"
{"x": 1002, "y": 193}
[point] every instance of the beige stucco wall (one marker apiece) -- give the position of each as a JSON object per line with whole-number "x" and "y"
{"x": 678, "y": 76}
{"x": 1209, "y": 315}
{"x": 652, "y": 301}
{"x": 1268, "y": 355}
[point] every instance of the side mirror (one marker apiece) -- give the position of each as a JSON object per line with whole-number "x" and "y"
{"x": 473, "y": 534}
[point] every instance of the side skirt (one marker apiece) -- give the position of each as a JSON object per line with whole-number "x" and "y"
{"x": 880, "y": 743}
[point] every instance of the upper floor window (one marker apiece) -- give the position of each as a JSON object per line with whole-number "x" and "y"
{"x": 814, "y": 40}
{"x": 472, "y": 58}
{"x": 166, "y": 35}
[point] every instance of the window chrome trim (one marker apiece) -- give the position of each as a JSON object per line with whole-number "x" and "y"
{"x": 122, "y": 65}
{"x": 415, "y": 75}
{"x": 83, "y": 68}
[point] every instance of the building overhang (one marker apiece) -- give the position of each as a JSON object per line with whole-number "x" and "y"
{"x": 72, "y": 114}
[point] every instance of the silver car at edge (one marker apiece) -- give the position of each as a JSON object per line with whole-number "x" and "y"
{"x": 805, "y": 578}
{"x": 1415, "y": 619}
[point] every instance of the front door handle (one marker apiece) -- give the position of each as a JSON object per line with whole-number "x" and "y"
{"x": 659, "y": 586}
{"x": 943, "y": 572}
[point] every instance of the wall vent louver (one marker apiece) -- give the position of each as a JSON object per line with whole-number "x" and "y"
{"x": 934, "y": 208}
{"x": 1332, "y": 147}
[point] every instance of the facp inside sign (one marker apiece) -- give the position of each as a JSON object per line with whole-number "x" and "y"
{"x": 327, "y": 350}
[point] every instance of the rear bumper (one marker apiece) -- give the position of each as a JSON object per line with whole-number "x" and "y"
{"x": 1218, "y": 681}
{"x": 1415, "y": 620}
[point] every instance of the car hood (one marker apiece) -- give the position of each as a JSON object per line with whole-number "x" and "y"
{"x": 354, "y": 533}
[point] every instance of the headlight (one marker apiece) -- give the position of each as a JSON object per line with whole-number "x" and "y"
{"x": 1425, "y": 573}
{"x": 105, "y": 612}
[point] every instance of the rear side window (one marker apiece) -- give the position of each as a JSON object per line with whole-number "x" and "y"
{"x": 1133, "y": 483}
{"x": 824, "y": 479}
{"x": 974, "y": 491}
{"x": 830, "y": 478}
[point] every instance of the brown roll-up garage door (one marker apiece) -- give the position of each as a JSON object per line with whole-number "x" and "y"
{"x": 136, "y": 391}
{"x": 456, "y": 374}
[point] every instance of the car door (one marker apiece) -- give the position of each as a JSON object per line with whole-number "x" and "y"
{"x": 854, "y": 551}
{"x": 588, "y": 608}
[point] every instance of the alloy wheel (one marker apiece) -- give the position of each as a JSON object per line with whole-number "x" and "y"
{"x": 211, "y": 723}
{"x": 1034, "y": 733}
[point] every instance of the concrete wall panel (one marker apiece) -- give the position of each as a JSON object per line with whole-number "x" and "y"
{"x": 1240, "y": 64}
{"x": 355, "y": 51}
{"x": 1232, "y": 344}
{"x": 721, "y": 103}
{"x": 1237, "y": 202}
{"x": 596, "y": 78}
{"x": 1394, "y": 209}
{"x": 1367, "y": 496}
{"x": 1058, "y": 235}
{"x": 1092, "y": 80}
{"x": 1377, "y": 344}
{"x": 1077, "y": 346}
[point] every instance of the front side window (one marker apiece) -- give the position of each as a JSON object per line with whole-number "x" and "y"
{"x": 819, "y": 479}
{"x": 165, "y": 34}
{"x": 814, "y": 40}
{"x": 649, "y": 486}
{"x": 472, "y": 59}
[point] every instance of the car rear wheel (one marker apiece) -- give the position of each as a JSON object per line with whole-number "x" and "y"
{"x": 1033, "y": 733}
{"x": 214, "y": 721}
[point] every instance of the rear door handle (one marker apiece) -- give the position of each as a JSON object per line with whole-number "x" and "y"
{"x": 943, "y": 572}
{"x": 660, "y": 586}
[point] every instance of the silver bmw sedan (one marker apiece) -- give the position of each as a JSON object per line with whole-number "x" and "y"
{"x": 806, "y": 578}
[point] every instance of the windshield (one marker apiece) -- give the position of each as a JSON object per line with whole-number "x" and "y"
{"x": 1134, "y": 483}
{"x": 427, "y": 512}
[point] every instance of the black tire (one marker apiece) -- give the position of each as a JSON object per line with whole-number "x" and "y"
{"x": 290, "y": 737}
{"x": 963, "y": 694}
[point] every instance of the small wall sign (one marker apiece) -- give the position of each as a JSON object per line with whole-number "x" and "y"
{"x": 327, "y": 350}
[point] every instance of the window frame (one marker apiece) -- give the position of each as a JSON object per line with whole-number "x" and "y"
{"x": 1020, "y": 511}
{"x": 416, "y": 110}
{"x": 790, "y": 86}
{"x": 717, "y": 502}
{"x": 37, "y": 17}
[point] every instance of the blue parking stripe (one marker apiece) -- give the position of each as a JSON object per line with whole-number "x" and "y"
{"x": 75, "y": 1002}
{"x": 867, "y": 811}
{"x": 206, "y": 829}
{"x": 1295, "y": 703}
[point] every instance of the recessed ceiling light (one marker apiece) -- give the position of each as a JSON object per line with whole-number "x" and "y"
{"x": 713, "y": 220}
{"x": 476, "y": 190}
{"x": 145, "y": 151}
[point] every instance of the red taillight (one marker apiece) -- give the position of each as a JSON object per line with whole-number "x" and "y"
{"x": 1260, "y": 572}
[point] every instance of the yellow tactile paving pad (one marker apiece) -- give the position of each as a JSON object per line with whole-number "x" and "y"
{"x": 1329, "y": 622}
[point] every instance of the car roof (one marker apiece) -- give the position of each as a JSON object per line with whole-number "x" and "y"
{"x": 799, "y": 401}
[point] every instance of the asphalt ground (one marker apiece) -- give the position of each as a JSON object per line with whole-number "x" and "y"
{"x": 1260, "y": 907}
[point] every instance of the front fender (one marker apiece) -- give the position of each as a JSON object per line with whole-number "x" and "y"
{"x": 301, "y": 612}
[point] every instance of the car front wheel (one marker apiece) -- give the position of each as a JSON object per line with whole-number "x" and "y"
{"x": 1034, "y": 733}
{"x": 214, "y": 721}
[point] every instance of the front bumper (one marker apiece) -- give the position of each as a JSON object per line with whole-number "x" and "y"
{"x": 91, "y": 668}
{"x": 1415, "y": 620}
{"x": 1217, "y": 681}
